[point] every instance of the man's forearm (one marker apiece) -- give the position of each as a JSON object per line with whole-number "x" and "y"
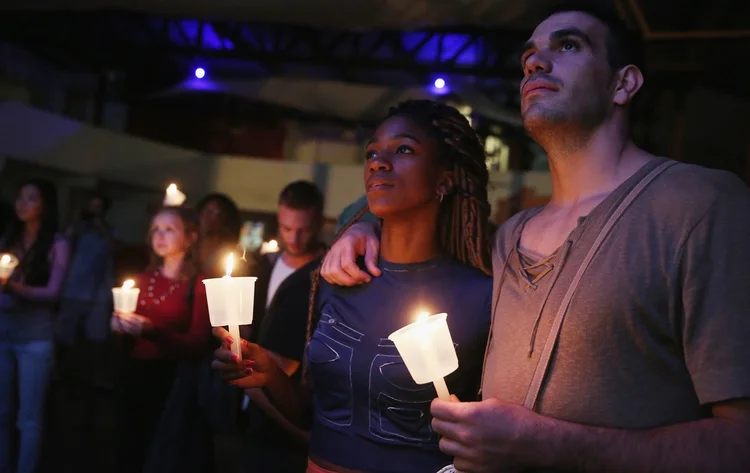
{"x": 707, "y": 446}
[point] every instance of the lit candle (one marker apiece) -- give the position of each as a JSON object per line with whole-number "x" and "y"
{"x": 126, "y": 297}
{"x": 230, "y": 302}
{"x": 269, "y": 247}
{"x": 8, "y": 263}
{"x": 427, "y": 349}
{"x": 173, "y": 197}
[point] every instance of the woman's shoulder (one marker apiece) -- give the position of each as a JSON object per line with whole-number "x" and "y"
{"x": 327, "y": 293}
{"x": 325, "y": 288}
{"x": 465, "y": 274}
{"x": 471, "y": 283}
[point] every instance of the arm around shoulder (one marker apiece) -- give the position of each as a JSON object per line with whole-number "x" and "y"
{"x": 340, "y": 264}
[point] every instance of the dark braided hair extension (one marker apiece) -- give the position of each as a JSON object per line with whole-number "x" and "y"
{"x": 464, "y": 220}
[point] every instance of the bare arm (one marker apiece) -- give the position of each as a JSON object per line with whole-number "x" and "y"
{"x": 719, "y": 444}
{"x": 258, "y": 369}
{"x": 259, "y": 398}
{"x": 59, "y": 256}
{"x": 287, "y": 397}
{"x": 491, "y": 435}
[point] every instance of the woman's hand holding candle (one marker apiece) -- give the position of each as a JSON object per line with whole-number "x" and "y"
{"x": 115, "y": 324}
{"x": 8, "y": 263}
{"x": 252, "y": 370}
{"x": 132, "y": 324}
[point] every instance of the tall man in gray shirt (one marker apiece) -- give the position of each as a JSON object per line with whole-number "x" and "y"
{"x": 650, "y": 369}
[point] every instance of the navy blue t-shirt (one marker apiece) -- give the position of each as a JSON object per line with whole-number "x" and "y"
{"x": 369, "y": 414}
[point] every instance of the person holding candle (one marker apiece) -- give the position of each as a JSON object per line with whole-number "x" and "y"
{"x": 271, "y": 443}
{"x": 640, "y": 363}
{"x": 170, "y": 325}
{"x": 27, "y": 305}
{"x": 199, "y": 403}
{"x": 426, "y": 179}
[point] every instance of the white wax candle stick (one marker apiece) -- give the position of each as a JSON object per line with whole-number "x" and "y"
{"x": 230, "y": 297}
{"x": 442, "y": 389}
{"x": 234, "y": 331}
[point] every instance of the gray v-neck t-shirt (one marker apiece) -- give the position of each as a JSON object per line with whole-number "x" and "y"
{"x": 658, "y": 328}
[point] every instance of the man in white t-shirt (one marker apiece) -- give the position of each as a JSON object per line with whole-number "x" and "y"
{"x": 273, "y": 445}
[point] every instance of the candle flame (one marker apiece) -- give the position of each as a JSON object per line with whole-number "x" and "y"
{"x": 5, "y": 259}
{"x": 129, "y": 284}
{"x": 273, "y": 245}
{"x": 422, "y": 318}
{"x": 172, "y": 188}
{"x": 230, "y": 264}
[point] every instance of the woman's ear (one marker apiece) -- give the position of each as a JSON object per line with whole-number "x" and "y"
{"x": 445, "y": 184}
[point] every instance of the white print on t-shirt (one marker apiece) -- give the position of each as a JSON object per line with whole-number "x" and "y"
{"x": 448, "y": 469}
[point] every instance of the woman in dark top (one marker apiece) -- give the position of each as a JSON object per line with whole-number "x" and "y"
{"x": 27, "y": 306}
{"x": 220, "y": 224}
{"x": 170, "y": 325}
{"x": 426, "y": 179}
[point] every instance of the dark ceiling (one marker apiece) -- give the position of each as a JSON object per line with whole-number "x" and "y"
{"x": 142, "y": 51}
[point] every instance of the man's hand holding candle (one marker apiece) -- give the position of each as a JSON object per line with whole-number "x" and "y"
{"x": 491, "y": 436}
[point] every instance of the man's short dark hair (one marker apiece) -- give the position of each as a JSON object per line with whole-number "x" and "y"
{"x": 624, "y": 45}
{"x": 302, "y": 195}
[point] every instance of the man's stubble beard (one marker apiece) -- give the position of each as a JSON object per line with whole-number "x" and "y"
{"x": 564, "y": 124}
{"x": 308, "y": 250}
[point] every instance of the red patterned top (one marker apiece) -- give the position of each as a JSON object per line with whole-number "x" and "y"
{"x": 180, "y": 331}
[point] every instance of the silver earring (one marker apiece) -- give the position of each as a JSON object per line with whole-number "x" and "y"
{"x": 440, "y": 197}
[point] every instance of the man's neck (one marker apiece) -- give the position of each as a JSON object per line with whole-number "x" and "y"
{"x": 593, "y": 167}
{"x": 297, "y": 261}
{"x": 409, "y": 240}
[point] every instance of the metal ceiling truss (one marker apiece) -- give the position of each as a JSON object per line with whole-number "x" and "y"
{"x": 104, "y": 39}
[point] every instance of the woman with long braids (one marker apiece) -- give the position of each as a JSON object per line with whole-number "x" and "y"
{"x": 426, "y": 180}
{"x": 27, "y": 305}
